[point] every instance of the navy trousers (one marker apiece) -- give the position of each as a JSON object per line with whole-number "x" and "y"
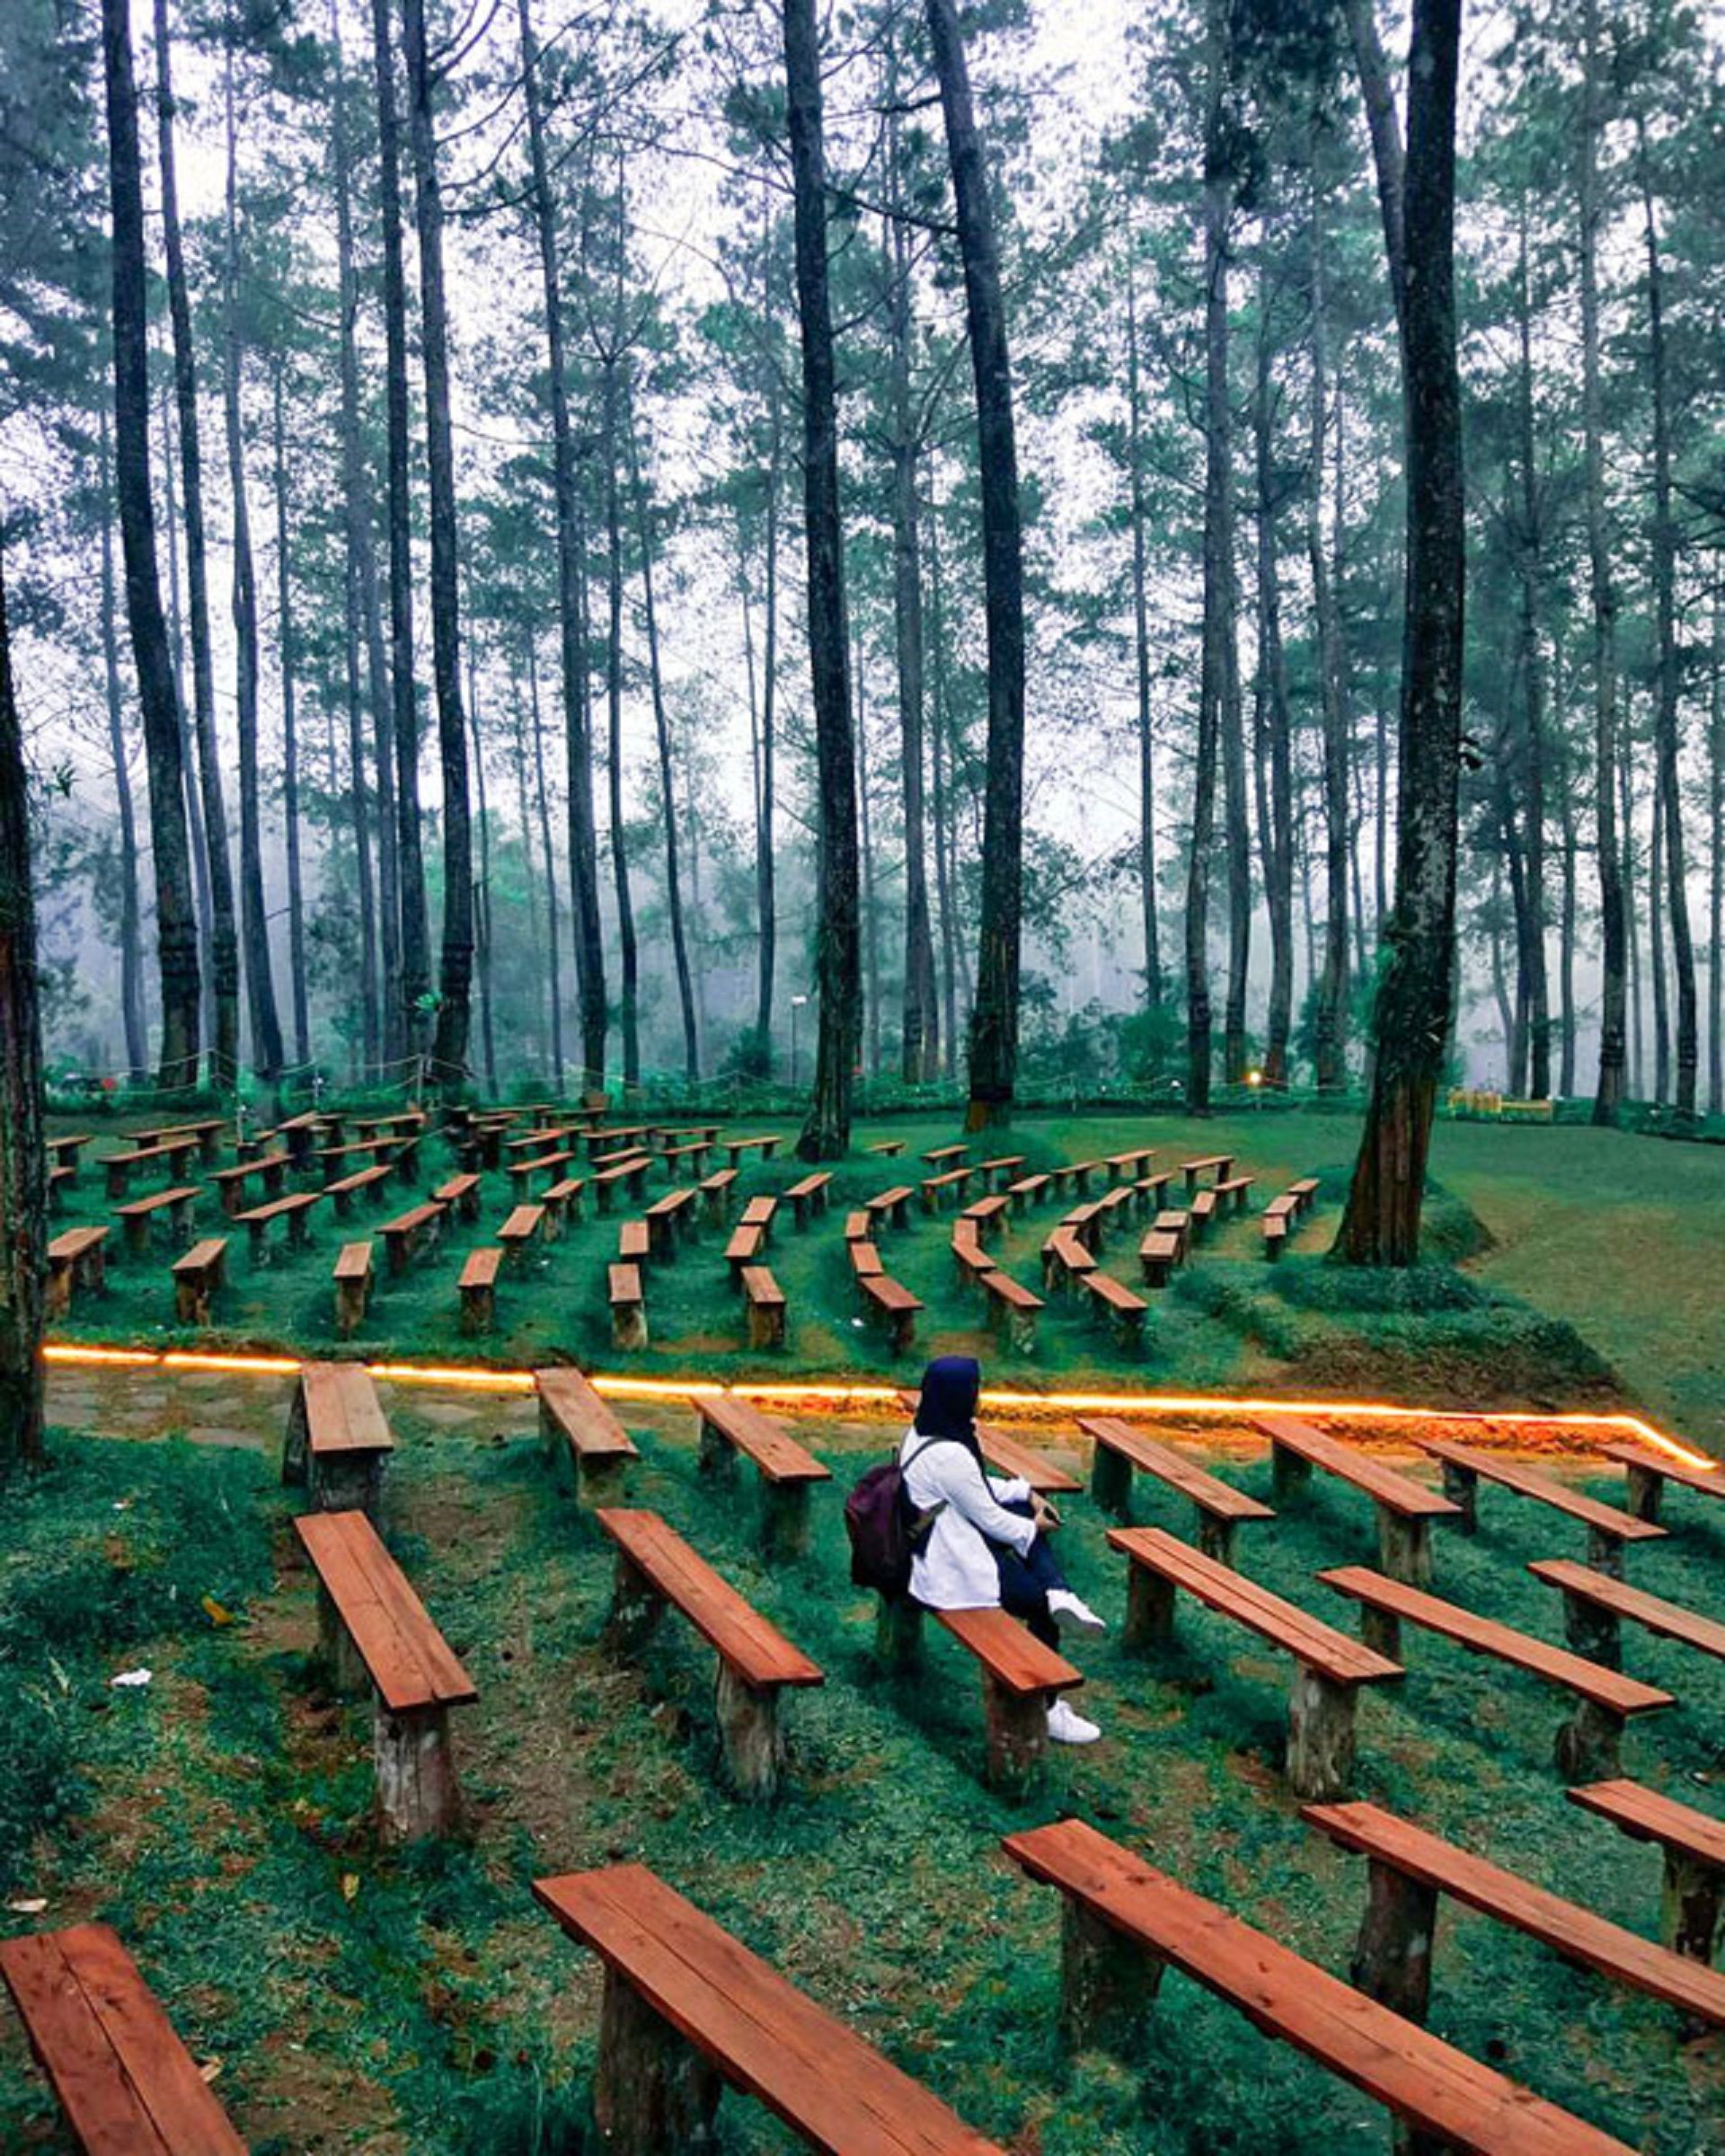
{"x": 1026, "y": 1582}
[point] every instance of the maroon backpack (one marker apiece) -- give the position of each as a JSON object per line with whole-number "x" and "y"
{"x": 886, "y": 1532}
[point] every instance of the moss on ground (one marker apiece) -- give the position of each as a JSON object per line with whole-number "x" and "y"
{"x": 357, "y": 2000}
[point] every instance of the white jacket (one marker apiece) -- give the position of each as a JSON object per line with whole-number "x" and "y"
{"x": 955, "y": 1567}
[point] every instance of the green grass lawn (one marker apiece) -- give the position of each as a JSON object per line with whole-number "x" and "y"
{"x": 362, "y": 2001}
{"x": 1592, "y": 1285}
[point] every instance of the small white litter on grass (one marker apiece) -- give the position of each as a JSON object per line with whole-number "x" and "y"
{"x": 133, "y": 1679}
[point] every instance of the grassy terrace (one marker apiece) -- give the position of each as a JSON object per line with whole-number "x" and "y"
{"x": 1586, "y": 1263}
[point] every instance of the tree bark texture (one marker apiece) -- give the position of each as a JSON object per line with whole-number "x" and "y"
{"x": 23, "y": 1162}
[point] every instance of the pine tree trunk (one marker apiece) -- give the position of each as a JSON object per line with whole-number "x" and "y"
{"x": 24, "y": 1161}
{"x": 254, "y": 915}
{"x": 825, "y": 1133}
{"x": 131, "y": 957}
{"x": 1669, "y": 742}
{"x": 667, "y": 790}
{"x": 289, "y": 744}
{"x": 944, "y": 841}
{"x": 482, "y": 944}
{"x": 1155, "y": 986}
{"x": 1533, "y": 746}
{"x": 224, "y": 957}
{"x": 1716, "y": 866}
{"x": 628, "y": 1009}
{"x": 1330, "y": 1018}
{"x": 175, "y": 920}
{"x": 1655, "y": 964}
{"x": 766, "y": 864}
{"x": 384, "y": 1025}
{"x": 1609, "y": 1093}
{"x": 1411, "y": 1018}
{"x": 407, "y": 1030}
{"x": 1626, "y": 822}
{"x": 586, "y": 930}
{"x": 870, "y": 909}
{"x": 188, "y": 750}
{"x": 920, "y": 1023}
{"x": 547, "y": 859}
{"x": 994, "y": 1018}
{"x": 1274, "y": 726}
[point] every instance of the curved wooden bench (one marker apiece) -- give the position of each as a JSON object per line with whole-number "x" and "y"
{"x": 1693, "y": 1845}
{"x": 338, "y": 1441}
{"x": 727, "y": 1427}
{"x": 478, "y": 1288}
{"x": 1328, "y": 1667}
{"x": 1411, "y": 1868}
{"x": 123, "y": 2079}
{"x": 196, "y": 1279}
{"x": 1465, "y": 1467}
{"x": 1405, "y": 1509}
{"x": 1121, "y": 1447}
{"x": 688, "y": 2009}
{"x": 578, "y": 1426}
{"x": 1126, "y": 1923}
{"x": 656, "y": 1567}
{"x": 1590, "y": 1743}
{"x": 367, "y": 1610}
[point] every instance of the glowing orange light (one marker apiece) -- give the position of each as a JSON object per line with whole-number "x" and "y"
{"x": 838, "y": 1393}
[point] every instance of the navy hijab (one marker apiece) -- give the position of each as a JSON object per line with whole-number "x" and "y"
{"x": 952, "y": 1387}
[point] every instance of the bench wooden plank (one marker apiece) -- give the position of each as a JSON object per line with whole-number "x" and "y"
{"x": 1666, "y": 1620}
{"x": 1648, "y": 1472}
{"x": 1383, "y": 1485}
{"x": 409, "y": 1662}
{"x": 1120, "y": 1447}
{"x": 1576, "y": 1933}
{"x": 125, "y": 2082}
{"x": 1012, "y": 1656}
{"x": 732, "y": 1627}
{"x": 765, "y": 2037}
{"x": 1463, "y": 1464}
{"x": 571, "y": 1409}
{"x": 1437, "y": 2089}
{"x": 1648, "y": 1815}
{"x": 745, "y": 1429}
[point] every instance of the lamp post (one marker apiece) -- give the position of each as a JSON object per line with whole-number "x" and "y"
{"x": 797, "y": 1001}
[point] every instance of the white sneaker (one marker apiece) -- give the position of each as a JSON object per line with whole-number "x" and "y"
{"x": 1071, "y": 1615}
{"x": 1067, "y": 1727}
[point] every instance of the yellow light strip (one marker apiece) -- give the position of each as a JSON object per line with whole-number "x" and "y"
{"x": 834, "y": 1393}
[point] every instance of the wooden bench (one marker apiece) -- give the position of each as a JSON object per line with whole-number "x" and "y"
{"x": 656, "y": 1567}
{"x": 460, "y": 1195}
{"x": 888, "y": 1148}
{"x": 395, "y": 1153}
{"x": 59, "y": 1181}
{"x": 891, "y": 1301}
{"x": 669, "y": 1217}
{"x": 1151, "y": 1190}
{"x": 271, "y": 1168}
{"x": 296, "y": 1210}
{"x": 1596, "y": 1602}
{"x": 1072, "y": 1178}
{"x": 628, "y": 1303}
{"x": 727, "y": 1427}
{"x": 1693, "y": 1845}
{"x": 338, "y": 1441}
{"x": 1177, "y": 1222}
{"x": 521, "y": 1229}
{"x": 1648, "y": 1473}
{"x": 1411, "y": 1868}
{"x": 688, "y": 2009}
{"x": 859, "y": 1226}
{"x": 971, "y": 1262}
{"x": 1588, "y": 1746}
{"x": 353, "y": 1281}
{"x": 370, "y": 1183}
{"x": 1120, "y": 1448}
{"x": 1275, "y": 1235}
{"x": 1328, "y": 1667}
{"x": 577, "y": 1428}
{"x": 1158, "y": 1254}
{"x": 128, "y": 2085}
{"x": 603, "y": 1138}
{"x": 735, "y": 1148}
{"x": 890, "y": 1208}
{"x": 1128, "y": 1166}
{"x": 1465, "y": 1468}
{"x": 137, "y": 1218}
{"x": 174, "y": 1154}
{"x": 1231, "y": 1193}
{"x": 477, "y": 1286}
{"x": 1126, "y": 1923}
{"x": 1021, "y": 1680}
{"x": 809, "y": 1197}
{"x": 1405, "y": 1510}
{"x": 66, "y": 1150}
{"x": 1014, "y": 1311}
{"x": 760, "y": 1213}
{"x": 1065, "y": 1262}
{"x": 368, "y": 1611}
{"x": 745, "y": 1245}
{"x": 937, "y": 1156}
{"x": 988, "y": 1213}
{"x": 1026, "y": 1191}
{"x": 716, "y": 1194}
{"x": 865, "y": 1265}
{"x": 694, "y": 1151}
{"x": 522, "y": 1173}
{"x": 1201, "y": 1205}
{"x": 1305, "y": 1192}
{"x": 562, "y": 1202}
{"x": 75, "y": 1260}
{"x": 1124, "y": 1310}
{"x": 765, "y": 1301}
{"x": 952, "y": 1182}
{"x": 629, "y": 1174}
{"x": 1218, "y": 1166}
{"x": 409, "y": 1234}
{"x": 197, "y": 1275}
{"x": 634, "y": 1243}
{"x": 998, "y": 1173}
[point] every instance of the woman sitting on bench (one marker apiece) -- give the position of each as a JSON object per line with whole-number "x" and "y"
{"x": 987, "y": 1544}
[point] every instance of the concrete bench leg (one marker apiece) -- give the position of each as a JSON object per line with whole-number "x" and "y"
{"x": 1380, "y": 1629}
{"x": 1320, "y": 1737}
{"x": 899, "y": 1633}
{"x": 1589, "y": 1744}
{"x": 1106, "y": 1982}
{"x": 478, "y": 1310}
{"x": 1392, "y": 1955}
{"x": 138, "y": 1234}
{"x": 1643, "y": 1489}
{"x": 1216, "y": 1537}
{"x": 636, "y": 1608}
{"x": 417, "y": 1795}
{"x": 784, "y": 1520}
{"x": 293, "y": 1442}
{"x": 629, "y": 1326}
{"x": 653, "y": 2093}
{"x": 1461, "y": 1487}
{"x": 335, "y": 1647}
{"x": 750, "y": 1735}
{"x": 1290, "y": 1476}
{"x": 1606, "y": 1552}
{"x": 347, "y": 1483}
{"x": 1111, "y": 1483}
{"x": 1404, "y": 1547}
{"x": 1689, "y": 1906}
{"x": 1597, "y": 1634}
{"x": 1018, "y": 1734}
{"x": 1021, "y": 1332}
{"x": 1149, "y": 1610}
